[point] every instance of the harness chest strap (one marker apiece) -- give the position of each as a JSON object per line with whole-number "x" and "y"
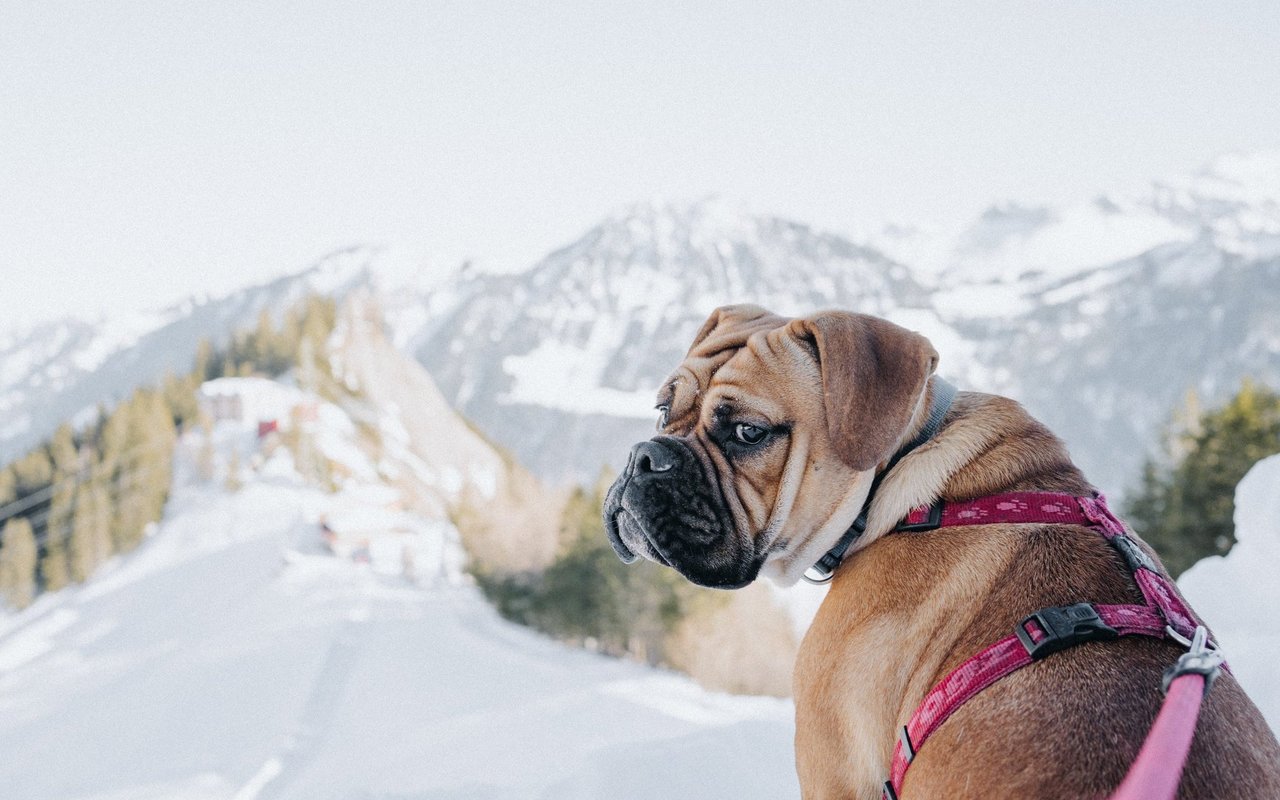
{"x": 1048, "y": 630}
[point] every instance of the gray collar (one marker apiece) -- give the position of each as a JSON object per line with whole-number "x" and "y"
{"x": 943, "y": 395}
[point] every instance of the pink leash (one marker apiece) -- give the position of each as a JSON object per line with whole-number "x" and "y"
{"x": 1156, "y": 772}
{"x": 1152, "y": 776}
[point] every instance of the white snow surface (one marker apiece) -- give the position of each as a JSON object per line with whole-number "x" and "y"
{"x": 1238, "y": 594}
{"x": 233, "y": 658}
{"x": 566, "y": 378}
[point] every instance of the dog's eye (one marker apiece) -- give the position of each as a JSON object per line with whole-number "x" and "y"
{"x": 663, "y": 413}
{"x": 749, "y": 434}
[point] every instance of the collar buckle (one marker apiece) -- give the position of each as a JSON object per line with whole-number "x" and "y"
{"x": 932, "y": 521}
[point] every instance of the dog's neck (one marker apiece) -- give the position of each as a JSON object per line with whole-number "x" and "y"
{"x": 866, "y": 499}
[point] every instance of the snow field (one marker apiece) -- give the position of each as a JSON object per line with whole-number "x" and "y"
{"x": 1238, "y": 594}
{"x": 233, "y": 657}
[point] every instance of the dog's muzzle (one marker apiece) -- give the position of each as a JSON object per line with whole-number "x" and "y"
{"x": 648, "y": 458}
{"x": 665, "y": 508}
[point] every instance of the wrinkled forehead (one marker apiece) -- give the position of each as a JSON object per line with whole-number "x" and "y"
{"x": 733, "y": 364}
{"x": 682, "y": 392}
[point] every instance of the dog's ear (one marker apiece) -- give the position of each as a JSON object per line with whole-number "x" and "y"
{"x": 729, "y": 326}
{"x": 873, "y": 374}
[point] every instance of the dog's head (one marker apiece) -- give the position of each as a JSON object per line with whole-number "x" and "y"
{"x": 766, "y": 430}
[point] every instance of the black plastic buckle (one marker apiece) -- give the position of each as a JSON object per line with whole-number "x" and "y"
{"x": 1063, "y": 626}
{"x": 933, "y": 522}
{"x": 825, "y": 569}
{"x": 1133, "y": 554}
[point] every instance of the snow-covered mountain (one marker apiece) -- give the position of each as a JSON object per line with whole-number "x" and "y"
{"x": 560, "y": 363}
{"x": 1102, "y": 317}
{"x": 1234, "y": 201}
{"x": 1099, "y": 318}
{"x": 1104, "y": 357}
{"x": 63, "y": 370}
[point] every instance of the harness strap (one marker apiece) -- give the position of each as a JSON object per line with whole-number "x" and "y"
{"x": 1006, "y": 656}
{"x": 1056, "y": 628}
{"x": 1057, "y": 508}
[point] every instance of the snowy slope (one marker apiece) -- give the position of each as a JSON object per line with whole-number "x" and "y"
{"x": 62, "y": 370}
{"x": 416, "y": 424}
{"x": 1237, "y": 594}
{"x": 232, "y": 658}
{"x": 1104, "y": 357}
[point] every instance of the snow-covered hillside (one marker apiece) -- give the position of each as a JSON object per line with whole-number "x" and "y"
{"x": 1237, "y": 594}
{"x": 65, "y": 369}
{"x": 1234, "y": 201}
{"x": 239, "y": 655}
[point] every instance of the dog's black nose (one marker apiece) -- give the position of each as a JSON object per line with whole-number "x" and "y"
{"x": 651, "y": 456}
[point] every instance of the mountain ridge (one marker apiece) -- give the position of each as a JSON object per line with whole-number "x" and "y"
{"x": 558, "y": 362}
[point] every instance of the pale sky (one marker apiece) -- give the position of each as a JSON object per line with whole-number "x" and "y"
{"x": 149, "y": 150}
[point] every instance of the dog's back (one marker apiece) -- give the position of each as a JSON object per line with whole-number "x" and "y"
{"x": 909, "y": 608}
{"x": 1071, "y": 725}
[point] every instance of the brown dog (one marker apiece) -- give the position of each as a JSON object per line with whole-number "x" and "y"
{"x": 772, "y": 433}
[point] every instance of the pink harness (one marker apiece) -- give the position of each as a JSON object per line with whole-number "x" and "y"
{"x": 1165, "y": 615}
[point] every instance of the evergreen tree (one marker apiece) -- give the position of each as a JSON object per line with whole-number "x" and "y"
{"x": 273, "y": 354}
{"x": 180, "y": 396}
{"x": 258, "y": 341}
{"x": 18, "y": 563}
{"x": 588, "y": 594}
{"x": 204, "y": 367}
{"x": 1184, "y": 508}
{"x": 54, "y": 571}
{"x": 143, "y": 430}
{"x": 63, "y": 452}
{"x": 65, "y": 457}
{"x": 319, "y": 316}
{"x": 90, "y": 541}
{"x": 34, "y": 471}
{"x": 290, "y": 337}
{"x": 8, "y": 486}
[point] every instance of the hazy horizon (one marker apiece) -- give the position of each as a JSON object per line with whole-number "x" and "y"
{"x": 162, "y": 151}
